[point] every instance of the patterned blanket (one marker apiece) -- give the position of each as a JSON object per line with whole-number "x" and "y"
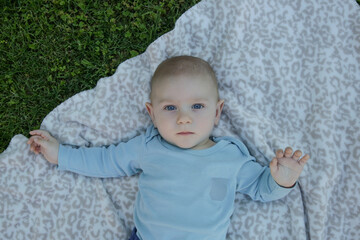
{"x": 289, "y": 72}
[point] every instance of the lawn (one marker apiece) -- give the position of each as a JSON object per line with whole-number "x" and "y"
{"x": 53, "y": 49}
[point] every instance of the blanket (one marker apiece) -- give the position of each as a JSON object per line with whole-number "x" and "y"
{"x": 289, "y": 72}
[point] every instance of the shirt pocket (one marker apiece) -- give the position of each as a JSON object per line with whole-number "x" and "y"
{"x": 219, "y": 188}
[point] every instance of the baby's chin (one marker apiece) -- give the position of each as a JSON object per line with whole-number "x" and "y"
{"x": 196, "y": 146}
{"x": 183, "y": 146}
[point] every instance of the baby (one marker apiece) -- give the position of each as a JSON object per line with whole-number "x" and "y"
{"x": 187, "y": 178}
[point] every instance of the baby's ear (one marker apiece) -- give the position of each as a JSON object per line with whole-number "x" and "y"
{"x": 219, "y": 108}
{"x": 150, "y": 111}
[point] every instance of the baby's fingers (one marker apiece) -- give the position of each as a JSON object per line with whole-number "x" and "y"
{"x": 279, "y": 153}
{"x": 44, "y": 134}
{"x": 31, "y": 140}
{"x": 304, "y": 159}
{"x": 288, "y": 152}
{"x": 36, "y": 144}
{"x": 34, "y": 147}
{"x": 297, "y": 154}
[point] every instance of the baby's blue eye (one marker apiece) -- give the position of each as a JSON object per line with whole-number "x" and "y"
{"x": 170, "y": 108}
{"x": 197, "y": 106}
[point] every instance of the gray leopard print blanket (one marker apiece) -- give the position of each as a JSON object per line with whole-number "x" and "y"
{"x": 289, "y": 72}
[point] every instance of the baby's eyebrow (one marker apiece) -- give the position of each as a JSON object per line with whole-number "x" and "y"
{"x": 201, "y": 99}
{"x": 163, "y": 101}
{"x": 196, "y": 100}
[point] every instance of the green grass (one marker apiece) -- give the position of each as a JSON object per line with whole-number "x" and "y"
{"x": 53, "y": 49}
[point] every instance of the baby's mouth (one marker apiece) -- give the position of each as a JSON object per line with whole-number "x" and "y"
{"x": 185, "y": 133}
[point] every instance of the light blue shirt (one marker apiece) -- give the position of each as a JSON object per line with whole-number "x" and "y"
{"x": 183, "y": 194}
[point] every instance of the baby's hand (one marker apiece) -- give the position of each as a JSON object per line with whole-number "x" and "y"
{"x": 42, "y": 142}
{"x": 286, "y": 167}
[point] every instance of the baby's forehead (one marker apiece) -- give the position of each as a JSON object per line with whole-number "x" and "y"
{"x": 181, "y": 80}
{"x": 184, "y": 86}
{"x": 183, "y": 66}
{"x": 167, "y": 70}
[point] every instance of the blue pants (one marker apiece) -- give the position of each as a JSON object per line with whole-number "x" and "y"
{"x": 133, "y": 235}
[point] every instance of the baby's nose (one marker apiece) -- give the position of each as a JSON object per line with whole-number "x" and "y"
{"x": 183, "y": 118}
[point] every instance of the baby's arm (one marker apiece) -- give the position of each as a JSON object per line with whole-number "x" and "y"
{"x": 287, "y": 166}
{"x": 112, "y": 161}
{"x": 42, "y": 142}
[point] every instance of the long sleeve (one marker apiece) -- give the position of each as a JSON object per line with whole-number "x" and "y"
{"x": 113, "y": 161}
{"x": 257, "y": 182}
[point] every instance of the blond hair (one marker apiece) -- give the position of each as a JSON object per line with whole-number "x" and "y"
{"x": 183, "y": 65}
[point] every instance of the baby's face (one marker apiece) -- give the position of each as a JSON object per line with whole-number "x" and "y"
{"x": 185, "y": 109}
